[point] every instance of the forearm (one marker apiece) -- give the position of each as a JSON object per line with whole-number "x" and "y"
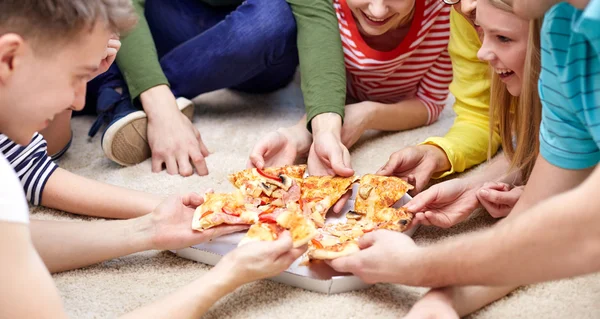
{"x": 556, "y": 239}
{"x": 71, "y": 193}
{"x": 69, "y": 245}
{"x": 191, "y": 301}
{"x": 321, "y": 58}
{"x": 497, "y": 170}
{"x": 385, "y": 117}
{"x": 138, "y": 59}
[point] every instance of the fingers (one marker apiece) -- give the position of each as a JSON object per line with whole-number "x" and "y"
{"x": 388, "y": 168}
{"x": 499, "y": 197}
{"x": 337, "y": 208}
{"x": 338, "y": 161}
{"x": 268, "y": 145}
{"x": 183, "y": 162}
{"x": 171, "y": 164}
{"x": 440, "y": 220}
{"x": 157, "y": 163}
{"x": 199, "y": 162}
{"x": 114, "y": 44}
{"x": 289, "y": 257}
{"x": 496, "y": 210}
{"x": 192, "y": 200}
{"x": 367, "y": 240}
{"x": 346, "y": 264}
{"x": 496, "y": 186}
{"x": 283, "y": 243}
{"x": 219, "y": 231}
{"x": 203, "y": 149}
{"x": 422, "y": 200}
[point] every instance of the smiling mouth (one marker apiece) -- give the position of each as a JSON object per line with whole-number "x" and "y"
{"x": 504, "y": 73}
{"x": 376, "y": 21}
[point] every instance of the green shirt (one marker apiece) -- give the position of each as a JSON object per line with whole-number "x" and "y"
{"x": 319, "y": 50}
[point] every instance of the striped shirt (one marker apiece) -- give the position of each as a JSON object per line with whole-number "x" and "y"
{"x": 31, "y": 163}
{"x": 569, "y": 86}
{"x": 418, "y": 67}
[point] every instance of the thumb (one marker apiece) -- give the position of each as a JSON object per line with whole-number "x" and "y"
{"x": 367, "y": 240}
{"x": 283, "y": 244}
{"x": 422, "y": 200}
{"x": 192, "y": 200}
{"x": 338, "y": 165}
{"x": 440, "y": 220}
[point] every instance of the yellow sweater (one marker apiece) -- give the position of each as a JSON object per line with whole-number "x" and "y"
{"x": 466, "y": 144}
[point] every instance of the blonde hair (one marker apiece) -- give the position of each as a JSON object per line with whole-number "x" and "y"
{"x": 519, "y": 117}
{"x": 52, "y": 22}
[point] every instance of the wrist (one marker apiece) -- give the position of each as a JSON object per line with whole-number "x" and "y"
{"x": 158, "y": 100}
{"x": 327, "y": 122}
{"x": 299, "y": 136}
{"x": 442, "y": 163}
{"x": 142, "y": 233}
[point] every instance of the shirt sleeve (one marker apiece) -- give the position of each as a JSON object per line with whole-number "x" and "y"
{"x": 321, "y": 57}
{"x": 138, "y": 59}
{"x": 13, "y": 207}
{"x": 466, "y": 143}
{"x": 433, "y": 88}
{"x": 31, "y": 163}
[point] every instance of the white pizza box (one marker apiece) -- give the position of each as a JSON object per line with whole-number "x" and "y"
{"x": 317, "y": 276}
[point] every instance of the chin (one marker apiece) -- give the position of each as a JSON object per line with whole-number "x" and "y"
{"x": 514, "y": 91}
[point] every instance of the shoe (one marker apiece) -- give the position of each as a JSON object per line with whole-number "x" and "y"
{"x": 125, "y": 140}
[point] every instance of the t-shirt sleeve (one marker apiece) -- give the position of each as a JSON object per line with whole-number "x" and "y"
{"x": 13, "y": 206}
{"x": 31, "y": 163}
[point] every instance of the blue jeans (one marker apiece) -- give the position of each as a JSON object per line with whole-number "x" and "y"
{"x": 251, "y": 48}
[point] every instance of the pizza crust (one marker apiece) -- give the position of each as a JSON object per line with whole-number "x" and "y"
{"x": 348, "y": 248}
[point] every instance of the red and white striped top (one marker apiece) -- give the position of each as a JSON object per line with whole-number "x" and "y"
{"x": 419, "y": 67}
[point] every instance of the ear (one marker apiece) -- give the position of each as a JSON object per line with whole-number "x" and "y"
{"x": 12, "y": 46}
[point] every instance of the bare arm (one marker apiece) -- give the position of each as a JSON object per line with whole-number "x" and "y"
{"x": 27, "y": 289}
{"x": 70, "y": 245}
{"x": 544, "y": 232}
{"x": 71, "y": 193}
{"x": 385, "y": 116}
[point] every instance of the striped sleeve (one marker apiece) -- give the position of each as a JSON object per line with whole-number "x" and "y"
{"x": 31, "y": 163}
{"x": 433, "y": 88}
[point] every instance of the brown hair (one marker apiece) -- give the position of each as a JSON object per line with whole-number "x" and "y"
{"x": 52, "y": 21}
{"x": 519, "y": 118}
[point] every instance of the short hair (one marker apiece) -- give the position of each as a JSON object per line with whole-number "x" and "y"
{"x": 59, "y": 21}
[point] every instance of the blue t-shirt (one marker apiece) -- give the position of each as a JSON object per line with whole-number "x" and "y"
{"x": 569, "y": 86}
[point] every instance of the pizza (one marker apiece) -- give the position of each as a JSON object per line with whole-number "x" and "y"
{"x": 331, "y": 248}
{"x": 320, "y": 193}
{"x": 274, "y": 200}
{"x": 271, "y": 224}
{"x": 220, "y": 208}
{"x": 276, "y": 186}
{"x": 378, "y": 192}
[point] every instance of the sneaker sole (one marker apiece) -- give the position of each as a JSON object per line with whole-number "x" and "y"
{"x": 126, "y": 141}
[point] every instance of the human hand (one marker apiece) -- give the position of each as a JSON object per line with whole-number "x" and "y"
{"x": 173, "y": 139}
{"x": 280, "y": 147}
{"x": 444, "y": 204}
{"x": 385, "y": 256}
{"x": 416, "y": 162}
{"x": 498, "y": 198}
{"x": 258, "y": 260}
{"x": 112, "y": 48}
{"x": 357, "y": 120}
{"x": 434, "y": 305}
{"x": 169, "y": 225}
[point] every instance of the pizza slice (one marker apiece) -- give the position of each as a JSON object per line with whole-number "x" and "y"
{"x": 273, "y": 185}
{"x": 378, "y": 192}
{"x": 396, "y": 219}
{"x": 219, "y": 208}
{"x": 275, "y": 220}
{"x": 327, "y": 246}
{"x": 320, "y": 193}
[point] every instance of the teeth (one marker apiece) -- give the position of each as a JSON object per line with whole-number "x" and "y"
{"x": 503, "y": 71}
{"x": 374, "y": 19}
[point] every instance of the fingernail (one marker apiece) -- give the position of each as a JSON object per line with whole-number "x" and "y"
{"x": 484, "y": 192}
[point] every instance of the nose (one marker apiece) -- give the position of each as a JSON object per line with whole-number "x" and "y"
{"x": 378, "y": 9}
{"x": 468, "y": 6}
{"x": 79, "y": 98}
{"x": 485, "y": 53}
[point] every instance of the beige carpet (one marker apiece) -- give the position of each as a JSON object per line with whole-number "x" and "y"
{"x": 230, "y": 124}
